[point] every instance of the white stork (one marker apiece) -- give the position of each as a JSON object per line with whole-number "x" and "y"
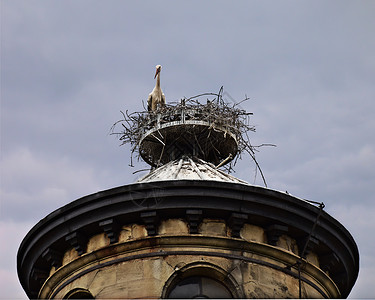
{"x": 156, "y": 96}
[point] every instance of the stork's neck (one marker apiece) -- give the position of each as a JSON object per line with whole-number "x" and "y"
{"x": 158, "y": 80}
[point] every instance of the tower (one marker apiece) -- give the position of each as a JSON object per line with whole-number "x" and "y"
{"x": 188, "y": 229}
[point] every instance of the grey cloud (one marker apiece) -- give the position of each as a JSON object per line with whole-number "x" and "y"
{"x": 69, "y": 67}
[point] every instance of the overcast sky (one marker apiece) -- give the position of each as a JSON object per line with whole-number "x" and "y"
{"x": 69, "y": 67}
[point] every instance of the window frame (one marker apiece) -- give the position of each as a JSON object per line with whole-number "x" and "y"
{"x": 202, "y": 269}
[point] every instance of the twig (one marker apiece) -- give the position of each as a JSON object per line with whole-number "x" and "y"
{"x": 221, "y": 116}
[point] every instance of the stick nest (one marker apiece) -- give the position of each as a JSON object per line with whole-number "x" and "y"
{"x": 208, "y": 107}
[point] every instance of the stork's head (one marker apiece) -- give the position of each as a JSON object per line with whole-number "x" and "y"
{"x": 158, "y": 69}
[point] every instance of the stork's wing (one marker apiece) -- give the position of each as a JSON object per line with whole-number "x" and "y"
{"x": 149, "y": 102}
{"x": 162, "y": 99}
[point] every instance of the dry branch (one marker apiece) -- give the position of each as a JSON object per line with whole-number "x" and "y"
{"x": 215, "y": 111}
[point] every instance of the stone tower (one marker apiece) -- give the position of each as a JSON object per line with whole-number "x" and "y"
{"x": 188, "y": 229}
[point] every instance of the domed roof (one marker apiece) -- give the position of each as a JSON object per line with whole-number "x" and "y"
{"x": 189, "y": 168}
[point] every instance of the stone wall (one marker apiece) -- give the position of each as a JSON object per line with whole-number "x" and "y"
{"x": 142, "y": 266}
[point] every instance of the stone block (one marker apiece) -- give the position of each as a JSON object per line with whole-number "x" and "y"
{"x": 257, "y": 290}
{"x": 153, "y": 268}
{"x": 97, "y": 241}
{"x": 237, "y": 274}
{"x": 313, "y": 258}
{"x": 83, "y": 281}
{"x": 173, "y": 227}
{"x": 253, "y": 233}
{"x": 139, "y": 231}
{"x": 103, "y": 277}
{"x": 287, "y": 243}
{"x": 125, "y": 234}
{"x": 132, "y": 232}
{"x": 150, "y": 288}
{"x": 69, "y": 256}
{"x": 213, "y": 227}
{"x": 131, "y": 270}
{"x": 120, "y": 291}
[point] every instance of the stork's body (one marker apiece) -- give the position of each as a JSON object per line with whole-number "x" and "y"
{"x": 156, "y": 97}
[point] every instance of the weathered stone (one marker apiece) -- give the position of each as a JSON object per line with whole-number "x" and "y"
{"x": 69, "y": 256}
{"x": 253, "y": 233}
{"x": 129, "y": 270}
{"x": 53, "y": 257}
{"x": 173, "y": 227}
{"x": 194, "y": 218}
{"x": 132, "y": 232}
{"x": 112, "y": 228}
{"x": 151, "y": 220}
{"x": 138, "y": 231}
{"x": 141, "y": 267}
{"x": 125, "y": 234}
{"x": 287, "y": 243}
{"x": 274, "y": 232}
{"x": 97, "y": 241}
{"x": 78, "y": 240}
{"x": 53, "y": 270}
{"x": 313, "y": 258}
{"x": 237, "y": 273}
{"x": 235, "y": 222}
{"x": 103, "y": 277}
{"x": 195, "y": 228}
{"x": 213, "y": 227}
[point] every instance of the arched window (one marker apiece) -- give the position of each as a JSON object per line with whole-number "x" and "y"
{"x": 79, "y": 294}
{"x": 201, "y": 280}
{"x": 199, "y": 287}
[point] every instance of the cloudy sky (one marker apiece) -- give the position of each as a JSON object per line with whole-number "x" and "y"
{"x": 69, "y": 67}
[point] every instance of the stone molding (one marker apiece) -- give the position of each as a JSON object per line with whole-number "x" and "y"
{"x": 78, "y": 241}
{"x": 111, "y": 229}
{"x": 71, "y": 225}
{"x": 252, "y": 252}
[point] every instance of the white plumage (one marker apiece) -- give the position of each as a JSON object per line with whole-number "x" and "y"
{"x": 156, "y": 97}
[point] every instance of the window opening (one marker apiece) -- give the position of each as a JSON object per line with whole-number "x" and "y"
{"x": 198, "y": 287}
{"x": 79, "y": 294}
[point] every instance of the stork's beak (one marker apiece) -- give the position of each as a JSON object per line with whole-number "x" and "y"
{"x": 157, "y": 72}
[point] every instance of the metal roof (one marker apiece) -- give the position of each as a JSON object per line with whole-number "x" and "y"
{"x": 189, "y": 168}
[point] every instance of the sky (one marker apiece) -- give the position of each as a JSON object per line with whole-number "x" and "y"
{"x": 69, "y": 67}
